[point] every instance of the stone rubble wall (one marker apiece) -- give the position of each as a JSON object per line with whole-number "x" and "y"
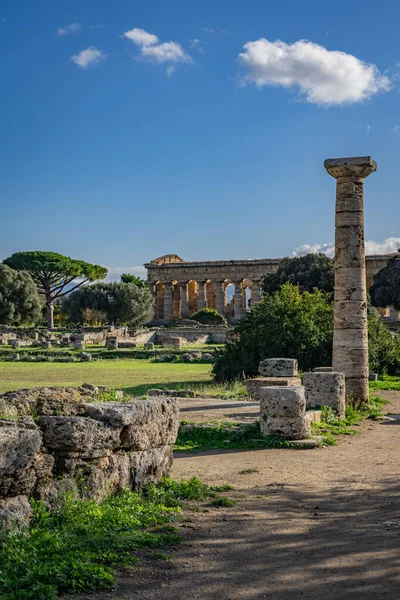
{"x": 58, "y": 440}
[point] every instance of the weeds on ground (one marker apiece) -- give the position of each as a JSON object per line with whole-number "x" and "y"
{"x": 248, "y": 471}
{"x": 79, "y": 547}
{"x": 223, "y": 503}
{"x": 386, "y": 383}
{"x": 193, "y": 437}
{"x": 331, "y": 425}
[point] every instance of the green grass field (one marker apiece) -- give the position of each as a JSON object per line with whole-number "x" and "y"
{"x": 132, "y": 375}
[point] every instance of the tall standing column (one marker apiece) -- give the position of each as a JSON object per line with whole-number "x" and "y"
{"x": 350, "y": 335}
{"x": 167, "y": 301}
{"x": 202, "y": 295}
{"x": 220, "y": 297}
{"x": 184, "y": 300}
{"x": 237, "y": 300}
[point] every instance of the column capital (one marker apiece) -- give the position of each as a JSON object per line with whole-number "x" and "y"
{"x": 349, "y": 169}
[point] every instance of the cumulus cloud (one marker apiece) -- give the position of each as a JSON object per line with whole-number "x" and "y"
{"x": 388, "y": 246}
{"x": 114, "y": 273}
{"x": 153, "y": 50}
{"x": 68, "y": 29}
{"x": 324, "y": 77}
{"x": 89, "y": 57}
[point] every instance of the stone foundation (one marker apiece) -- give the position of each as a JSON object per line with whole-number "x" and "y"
{"x": 75, "y": 444}
{"x": 278, "y": 367}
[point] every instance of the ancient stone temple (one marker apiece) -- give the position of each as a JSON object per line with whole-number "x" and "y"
{"x": 232, "y": 287}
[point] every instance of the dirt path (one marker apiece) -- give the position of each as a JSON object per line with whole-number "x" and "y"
{"x": 320, "y": 524}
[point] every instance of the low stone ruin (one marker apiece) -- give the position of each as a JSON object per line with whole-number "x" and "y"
{"x": 325, "y": 389}
{"x": 283, "y": 413}
{"x": 275, "y": 372}
{"x": 286, "y": 407}
{"x": 58, "y": 440}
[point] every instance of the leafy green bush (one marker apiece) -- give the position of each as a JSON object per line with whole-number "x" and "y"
{"x": 78, "y": 547}
{"x": 19, "y": 299}
{"x": 385, "y": 290}
{"x": 294, "y": 324}
{"x": 287, "y": 323}
{"x": 384, "y": 346}
{"x": 123, "y": 303}
{"x": 209, "y": 316}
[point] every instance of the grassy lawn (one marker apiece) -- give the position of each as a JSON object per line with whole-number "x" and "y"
{"x": 133, "y": 375}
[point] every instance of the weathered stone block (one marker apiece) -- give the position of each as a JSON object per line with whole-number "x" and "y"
{"x": 145, "y": 424}
{"x": 283, "y": 401}
{"x": 290, "y": 428}
{"x": 254, "y": 386}
{"x": 282, "y": 412}
{"x": 278, "y": 367}
{"x": 148, "y": 346}
{"x": 149, "y": 466}
{"x": 325, "y": 389}
{"x": 77, "y": 434}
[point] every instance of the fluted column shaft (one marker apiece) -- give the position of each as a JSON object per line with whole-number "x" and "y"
{"x": 167, "y": 301}
{"x": 184, "y": 300}
{"x": 220, "y": 297}
{"x": 237, "y": 301}
{"x": 350, "y": 335}
{"x": 202, "y": 300}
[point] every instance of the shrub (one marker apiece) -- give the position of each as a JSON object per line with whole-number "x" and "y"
{"x": 19, "y": 299}
{"x": 287, "y": 323}
{"x": 292, "y": 324}
{"x": 209, "y": 316}
{"x": 123, "y": 303}
{"x": 93, "y": 317}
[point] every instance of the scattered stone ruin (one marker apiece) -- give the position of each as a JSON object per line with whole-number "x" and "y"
{"x": 182, "y": 288}
{"x": 287, "y": 408}
{"x": 58, "y": 440}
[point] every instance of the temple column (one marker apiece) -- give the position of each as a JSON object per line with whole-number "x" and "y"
{"x": 167, "y": 301}
{"x": 255, "y": 293}
{"x": 184, "y": 300}
{"x": 237, "y": 300}
{"x": 350, "y": 333}
{"x": 220, "y": 297}
{"x": 202, "y": 296}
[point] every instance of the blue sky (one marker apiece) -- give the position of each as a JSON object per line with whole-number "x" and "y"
{"x": 131, "y": 129}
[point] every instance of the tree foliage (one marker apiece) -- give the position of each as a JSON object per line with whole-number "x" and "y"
{"x": 384, "y": 346}
{"x": 294, "y": 324}
{"x": 385, "y": 289}
{"x": 129, "y": 278}
{"x": 288, "y": 323}
{"x": 54, "y": 274}
{"x": 209, "y": 316}
{"x": 313, "y": 271}
{"x": 122, "y": 303}
{"x": 19, "y": 300}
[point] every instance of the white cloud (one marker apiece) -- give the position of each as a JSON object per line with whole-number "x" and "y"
{"x": 68, "y": 29}
{"x": 388, "y": 246}
{"x": 114, "y": 273}
{"x": 166, "y": 52}
{"x": 87, "y": 58}
{"x": 140, "y": 37}
{"x": 328, "y": 249}
{"x": 325, "y": 77}
{"x": 170, "y": 71}
{"x": 369, "y": 127}
{"x": 153, "y": 50}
